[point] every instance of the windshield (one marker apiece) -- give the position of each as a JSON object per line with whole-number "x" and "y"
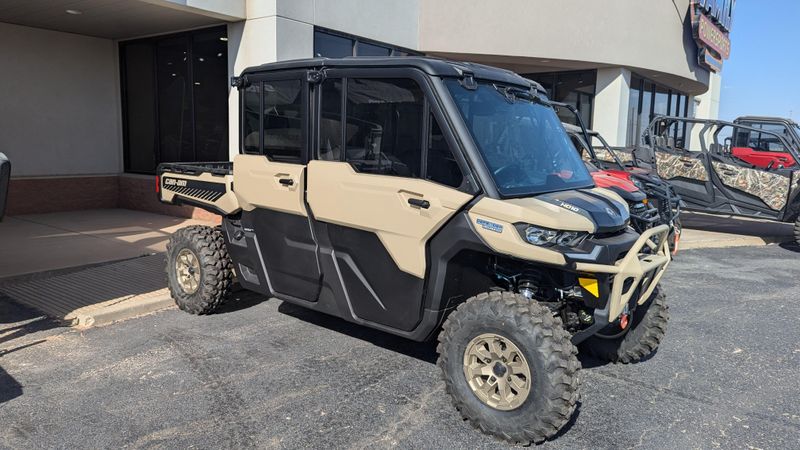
{"x": 520, "y": 139}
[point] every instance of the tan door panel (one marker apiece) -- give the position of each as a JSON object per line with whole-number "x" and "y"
{"x": 379, "y": 203}
{"x": 671, "y": 166}
{"x": 771, "y": 188}
{"x": 257, "y": 183}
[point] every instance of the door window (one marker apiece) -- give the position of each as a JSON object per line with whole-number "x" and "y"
{"x": 283, "y": 120}
{"x": 384, "y": 126}
{"x": 442, "y": 166}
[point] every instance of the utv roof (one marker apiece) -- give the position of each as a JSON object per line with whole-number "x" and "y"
{"x": 431, "y": 66}
{"x": 765, "y": 119}
{"x": 576, "y": 129}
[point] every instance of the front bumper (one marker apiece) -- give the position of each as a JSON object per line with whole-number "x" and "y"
{"x": 633, "y": 277}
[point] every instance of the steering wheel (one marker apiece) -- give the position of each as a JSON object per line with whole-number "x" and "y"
{"x": 513, "y": 170}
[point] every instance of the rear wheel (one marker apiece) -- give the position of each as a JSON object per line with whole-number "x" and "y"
{"x": 647, "y": 328}
{"x": 797, "y": 230}
{"x": 509, "y": 367}
{"x": 199, "y": 270}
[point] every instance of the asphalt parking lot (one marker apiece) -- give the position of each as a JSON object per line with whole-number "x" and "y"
{"x": 267, "y": 374}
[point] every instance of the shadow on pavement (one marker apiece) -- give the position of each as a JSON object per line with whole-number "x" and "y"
{"x": 791, "y": 246}
{"x": 17, "y": 321}
{"x": 424, "y": 351}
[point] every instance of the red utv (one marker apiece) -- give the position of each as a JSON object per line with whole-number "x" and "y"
{"x": 651, "y": 200}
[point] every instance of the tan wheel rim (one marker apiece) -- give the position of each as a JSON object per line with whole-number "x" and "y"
{"x": 497, "y": 372}
{"x": 187, "y": 269}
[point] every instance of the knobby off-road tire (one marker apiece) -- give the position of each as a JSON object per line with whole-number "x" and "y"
{"x": 797, "y": 231}
{"x": 647, "y": 328}
{"x": 543, "y": 345}
{"x": 203, "y": 249}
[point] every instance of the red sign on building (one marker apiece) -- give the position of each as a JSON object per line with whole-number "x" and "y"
{"x": 713, "y": 42}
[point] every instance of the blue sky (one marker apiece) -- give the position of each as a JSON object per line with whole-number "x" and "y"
{"x": 761, "y": 77}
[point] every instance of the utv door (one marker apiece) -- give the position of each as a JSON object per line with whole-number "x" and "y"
{"x": 687, "y": 172}
{"x": 384, "y": 182}
{"x": 270, "y": 181}
{"x": 754, "y": 180}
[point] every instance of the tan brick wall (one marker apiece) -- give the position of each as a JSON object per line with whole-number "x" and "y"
{"x": 44, "y": 195}
{"x": 40, "y": 195}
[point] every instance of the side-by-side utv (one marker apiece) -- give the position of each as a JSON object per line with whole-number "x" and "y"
{"x": 728, "y": 168}
{"x": 431, "y": 200}
{"x": 651, "y": 200}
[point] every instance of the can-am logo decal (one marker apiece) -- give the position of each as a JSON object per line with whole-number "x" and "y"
{"x": 174, "y": 182}
{"x": 566, "y": 205}
{"x": 491, "y": 226}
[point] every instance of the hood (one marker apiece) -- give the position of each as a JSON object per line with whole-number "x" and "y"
{"x": 621, "y": 186}
{"x": 606, "y": 212}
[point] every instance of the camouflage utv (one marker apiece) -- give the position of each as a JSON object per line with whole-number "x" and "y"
{"x": 427, "y": 199}
{"x": 729, "y": 168}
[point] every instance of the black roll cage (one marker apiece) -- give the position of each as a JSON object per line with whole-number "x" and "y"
{"x": 665, "y": 122}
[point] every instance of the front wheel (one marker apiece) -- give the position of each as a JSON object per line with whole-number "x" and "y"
{"x": 509, "y": 366}
{"x": 199, "y": 270}
{"x": 646, "y": 329}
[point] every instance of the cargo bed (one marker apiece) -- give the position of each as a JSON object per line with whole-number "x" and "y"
{"x": 206, "y": 185}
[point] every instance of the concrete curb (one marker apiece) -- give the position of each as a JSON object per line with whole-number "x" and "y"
{"x": 117, "y": 310}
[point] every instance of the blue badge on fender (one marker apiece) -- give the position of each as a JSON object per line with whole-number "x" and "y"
{"x": 491, "y": 226}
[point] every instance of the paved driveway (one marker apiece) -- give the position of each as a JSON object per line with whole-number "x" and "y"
{"x": 268, "y": 374}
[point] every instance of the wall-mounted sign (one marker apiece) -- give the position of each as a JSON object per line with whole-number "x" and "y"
{"x": 711, "y": 25}
{"x": 720, "y": 11}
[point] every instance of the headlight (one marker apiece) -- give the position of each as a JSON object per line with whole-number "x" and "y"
{"x": 545, "y": 237}
{"x": 638, "y": 183}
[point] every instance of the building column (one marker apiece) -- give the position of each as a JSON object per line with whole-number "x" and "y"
{"x": 610, "y": 112}
{"x": 706, "y": 106}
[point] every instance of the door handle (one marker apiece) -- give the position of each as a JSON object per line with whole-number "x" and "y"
{"x": 286, "y": 181}
{"x": 420, "y": 203}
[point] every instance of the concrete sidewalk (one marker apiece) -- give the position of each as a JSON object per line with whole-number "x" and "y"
{"x": 87, "y": 268}
{"x": 712, "y": 231}
{"x": 46, "y": 242}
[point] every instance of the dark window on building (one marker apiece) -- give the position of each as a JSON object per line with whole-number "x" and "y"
{"x": 384, "y": 126}
{"x": 648, "y": 99}
{"x": 175, "y": 99}
{"x": 334, "y": 44}
{"x": 365, "y": 49}
{"x": 139, "y": 107}
{"x": 573, "y": 88}
{"x": 442, "y": 166}
{"x": 251, "y": 119}
{"x": 283, "y": 120}
{"x": 330, "y": 123}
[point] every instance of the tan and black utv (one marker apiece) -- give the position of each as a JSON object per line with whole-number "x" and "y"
{"x": 427, "y": 199}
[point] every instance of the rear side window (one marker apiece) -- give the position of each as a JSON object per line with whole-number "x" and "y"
{"x": 384, "y": 123}
{"x": 283, "y": 120}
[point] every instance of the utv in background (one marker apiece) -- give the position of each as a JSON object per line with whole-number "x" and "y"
{"x": 730, "y": 168}
{"x": 750, "y": 147}
{"x": 651, "y": 200}
{"x": 428, "y": 199}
